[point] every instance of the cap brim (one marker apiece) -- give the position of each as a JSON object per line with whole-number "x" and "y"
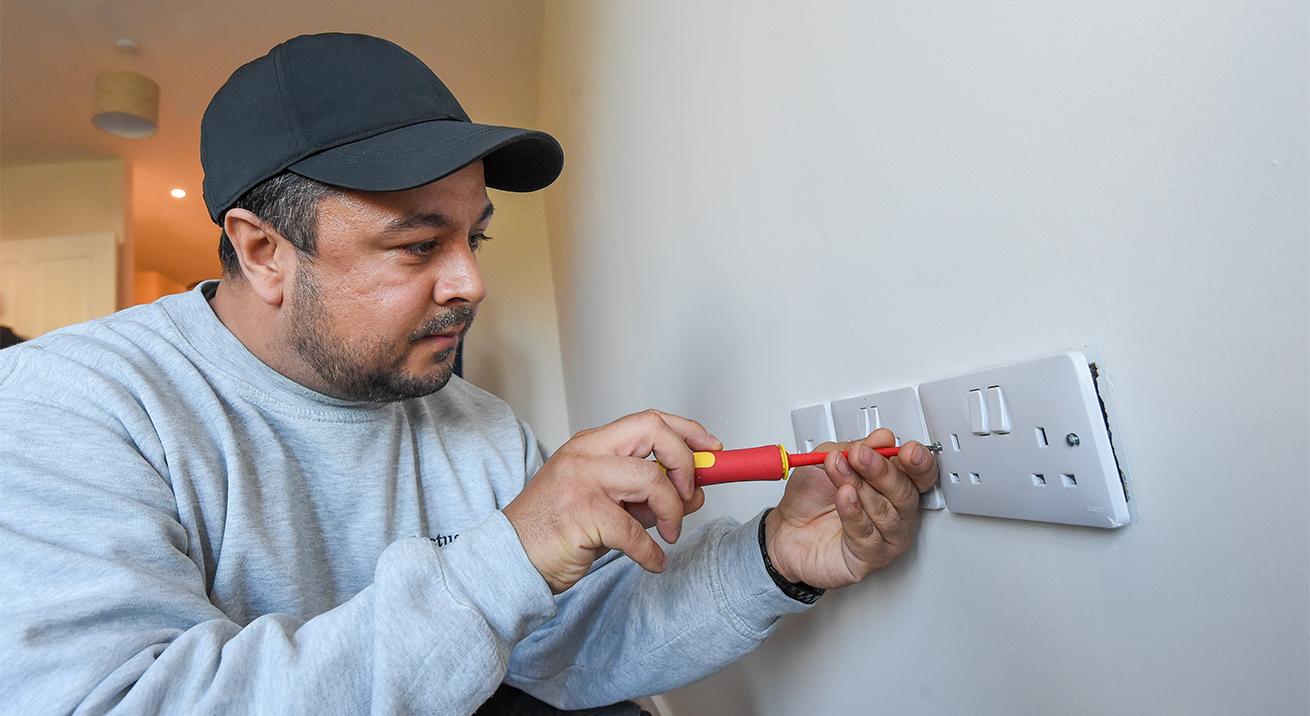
{"x": 513, "y": 159}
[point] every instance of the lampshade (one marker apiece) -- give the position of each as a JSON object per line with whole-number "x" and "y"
{"x": 127, "y": 104}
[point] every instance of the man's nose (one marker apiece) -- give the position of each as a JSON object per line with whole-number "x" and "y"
{"x": 459, "y": 279}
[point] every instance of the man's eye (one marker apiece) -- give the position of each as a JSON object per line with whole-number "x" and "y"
{"x": 477, "y": 240}
{"x": 422, "y": 249}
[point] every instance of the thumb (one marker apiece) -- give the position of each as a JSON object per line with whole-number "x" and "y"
{"x": 622, "y": 532}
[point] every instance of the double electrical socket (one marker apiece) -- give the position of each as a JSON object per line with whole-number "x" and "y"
{"x": 854, "y": 418}
{"x": 1025, "y": 441}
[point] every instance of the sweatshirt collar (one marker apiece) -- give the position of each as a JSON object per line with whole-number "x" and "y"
{"x": 196, "y": 319}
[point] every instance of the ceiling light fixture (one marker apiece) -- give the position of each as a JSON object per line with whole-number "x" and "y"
{"x": 178, "y": 193}
{"x": 127, "y": 104}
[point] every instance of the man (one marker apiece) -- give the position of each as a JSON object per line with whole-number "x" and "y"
{"x": 269, "y": 494}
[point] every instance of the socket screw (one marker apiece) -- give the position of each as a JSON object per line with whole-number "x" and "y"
{"x": 1072, "y": 440}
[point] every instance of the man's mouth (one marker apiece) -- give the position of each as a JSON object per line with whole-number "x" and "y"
{"x": 443, "y": 340}
{"x": 445, "y": 329}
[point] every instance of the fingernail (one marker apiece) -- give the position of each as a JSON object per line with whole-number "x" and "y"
{"x": 867, "y": 455}
{"x": 843, "y": 466}
{"x": 920, "y": 455}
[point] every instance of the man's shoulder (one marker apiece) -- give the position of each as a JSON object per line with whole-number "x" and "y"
{"x": 477, "y": 424}
{"x": 124, "y": 346}
{"x": 461, "y": 401}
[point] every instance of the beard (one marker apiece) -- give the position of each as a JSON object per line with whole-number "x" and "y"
{"x": 366, "y": 369}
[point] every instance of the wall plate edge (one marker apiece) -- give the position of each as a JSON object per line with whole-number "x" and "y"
{"x": 1106, "y": 388}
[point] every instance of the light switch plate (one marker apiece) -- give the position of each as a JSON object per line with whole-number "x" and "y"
{"x": 812, "y": 426}
{"x": 897, "y": 410}
{"x": 1056, "y": 463}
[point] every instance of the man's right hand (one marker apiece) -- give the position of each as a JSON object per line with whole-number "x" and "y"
{"x": 599, "y": 492}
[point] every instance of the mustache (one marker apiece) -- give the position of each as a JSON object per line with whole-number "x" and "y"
{"x": 461, "y": 316}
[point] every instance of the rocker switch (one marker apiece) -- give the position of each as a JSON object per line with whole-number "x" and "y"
{"x": 978, "y": 414}
{"x": 996, "y": 410}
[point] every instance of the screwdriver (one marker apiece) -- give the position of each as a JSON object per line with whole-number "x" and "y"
{"x": 767, "y": 462}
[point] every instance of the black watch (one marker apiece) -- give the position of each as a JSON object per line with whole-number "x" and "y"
{"x": 800, "y": 591}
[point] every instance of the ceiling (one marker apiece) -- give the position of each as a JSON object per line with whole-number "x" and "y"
{"x": 486, "y": 51}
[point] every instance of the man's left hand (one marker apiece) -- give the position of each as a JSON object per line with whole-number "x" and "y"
{"x": 838, "y": 524}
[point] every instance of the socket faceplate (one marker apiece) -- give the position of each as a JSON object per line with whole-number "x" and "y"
{"x": 897, "y": 410}
{"x": 812, "y": 426}
{"x": 1054, "y": 465}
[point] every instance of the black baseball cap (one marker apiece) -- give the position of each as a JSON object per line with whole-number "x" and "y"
{"x": 356, "y": 112}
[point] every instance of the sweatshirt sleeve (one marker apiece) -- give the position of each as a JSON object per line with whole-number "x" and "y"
{"x": 622, "y": 632}
{"x": 104, "y": 610}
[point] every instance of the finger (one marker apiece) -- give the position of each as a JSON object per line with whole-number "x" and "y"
{"x": 839, "y": 470}
{"x": 618, "y": 530}
{"x": 640, "y": 512}
{"x": 643, "y": 514}
{"x": 639, "y": 481}
{"x": 650, "y": 432}
{"x": 919, "y": 465}
{"x": 625, "y": 436}
{"x": 692, "y": 432}
{"x": 882, "y": 437}
{"x": 893, "y": 526}
{"x": 862, "y": 536}
{"x": 892, "y": 521}
{"x": 696, "y": 502}
{"x": 885, "y": 477}
{"x": 830, "y": 446}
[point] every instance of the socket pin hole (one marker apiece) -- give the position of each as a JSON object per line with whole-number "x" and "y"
{"x": 955, "y": 478}
{"x": 1041, "y": 437}
{"x": 955, "y": 442}
{"x": 1068, "y": 480}
{"x": 975, "y": 478}
{"x": 1039, "y": 479}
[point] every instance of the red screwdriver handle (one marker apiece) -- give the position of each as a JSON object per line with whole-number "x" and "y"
{"x": 768, "y": 462}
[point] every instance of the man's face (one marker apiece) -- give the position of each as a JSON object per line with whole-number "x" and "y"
{"x": 381, "y": 307}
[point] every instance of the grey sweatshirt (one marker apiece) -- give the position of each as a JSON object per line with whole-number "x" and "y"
{"x": 183, "y": 529}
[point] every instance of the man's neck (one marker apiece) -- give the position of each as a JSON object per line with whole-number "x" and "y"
{"x": 258, "y": 326}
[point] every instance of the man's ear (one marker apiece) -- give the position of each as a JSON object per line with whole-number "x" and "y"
{"x": 266, "y": 257}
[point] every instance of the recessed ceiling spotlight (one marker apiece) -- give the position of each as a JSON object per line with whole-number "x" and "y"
{"x": 178, "y": 193}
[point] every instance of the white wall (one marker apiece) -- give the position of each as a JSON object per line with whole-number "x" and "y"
{"x": 513, "y": 349}
{"x": 71, "y": 198}
{"x": 766, "y": 207}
